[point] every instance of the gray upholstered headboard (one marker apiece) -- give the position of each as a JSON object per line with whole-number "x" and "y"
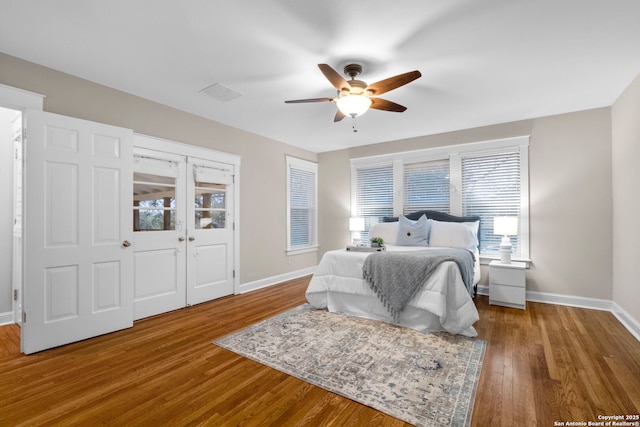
{"x": 438, "y": 216}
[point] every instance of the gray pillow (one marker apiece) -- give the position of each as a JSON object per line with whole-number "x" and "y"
{"x": 413, "y": 233}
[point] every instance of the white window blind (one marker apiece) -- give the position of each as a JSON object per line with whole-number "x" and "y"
{"x": 374, "y": 195}
{"x": 214, "y": 175}
{"x": 486, "y": 179}
{"x": 153, "y": 166}
{"x": 491, "y": 187}
{"x": 426, "y": 186}
{"x": 301, "y": 205}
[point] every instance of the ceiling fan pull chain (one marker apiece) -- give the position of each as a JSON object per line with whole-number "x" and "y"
{"x": 353, "y": 126}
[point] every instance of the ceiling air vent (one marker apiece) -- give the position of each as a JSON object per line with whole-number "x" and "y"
{"x": 220, "y": 93}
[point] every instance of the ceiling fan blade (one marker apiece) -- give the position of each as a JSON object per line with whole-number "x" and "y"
{"x": 383, "y": 104}
{"x": 336, "y": 79}
{"x": 299, "y": 101}
{"x": 391, "y": 83}
{"x": 339, "y": 116}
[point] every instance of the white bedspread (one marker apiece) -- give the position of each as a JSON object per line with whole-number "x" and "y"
{"x": 442, "y": 304}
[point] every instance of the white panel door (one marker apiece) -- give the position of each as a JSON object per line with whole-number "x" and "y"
{"x": 159, "y": 205}
{"x": 78, "y": 264}
{"x": 210, "y": 228}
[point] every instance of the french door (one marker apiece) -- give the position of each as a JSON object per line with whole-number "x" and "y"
{"x": 77, "y": 263}
{"x": 210, "y": 229}
{"x": 184, "y": 233}
{"x": 159, "y": 190}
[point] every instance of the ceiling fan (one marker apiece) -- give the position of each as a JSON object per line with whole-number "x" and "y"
{"x": 355, "y": 97}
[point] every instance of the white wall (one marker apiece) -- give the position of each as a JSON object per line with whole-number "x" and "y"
{"x": 626, "y": 199}
{"x": 6, "y": 209}
{"x": 263, "y": 173}
{"x": 569, "y": 187}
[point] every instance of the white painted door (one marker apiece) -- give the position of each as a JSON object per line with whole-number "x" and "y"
{"x": 210, "y": 227}
{"x": 159, "y": 205}
{"x": 78, "y": 263}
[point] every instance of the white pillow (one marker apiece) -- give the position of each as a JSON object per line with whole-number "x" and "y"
{"x": 387, "y": 230}
{"x": 454, "y": 234}
{"x": 413, "y": 233}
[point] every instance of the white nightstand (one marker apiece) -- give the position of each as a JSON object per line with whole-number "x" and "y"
{"x": 507, "y": 284}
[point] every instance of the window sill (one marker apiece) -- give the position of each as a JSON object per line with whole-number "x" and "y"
{"x": 298, "y": 251}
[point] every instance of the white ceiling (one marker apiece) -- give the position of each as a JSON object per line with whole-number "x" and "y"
{"x": 482, "y": 62}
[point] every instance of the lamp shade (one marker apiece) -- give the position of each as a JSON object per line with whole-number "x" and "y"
{"x": 505, "y": 225}
{"x": 354, "y": 105}
{"x": 356, "y": 224}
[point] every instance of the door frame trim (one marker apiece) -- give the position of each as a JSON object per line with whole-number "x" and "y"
{"x": 20, "y": 100}
{"x": 182, "y": 149}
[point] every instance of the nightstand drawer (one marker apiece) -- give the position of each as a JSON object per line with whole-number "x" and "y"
{"x": 508, "y": 276}
{"x": 510, "y": 296}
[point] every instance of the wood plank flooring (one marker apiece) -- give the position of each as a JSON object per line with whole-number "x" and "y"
{"x": 544, "y": 365}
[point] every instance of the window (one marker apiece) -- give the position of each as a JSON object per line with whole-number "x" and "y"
{"x": 210, "y": 191}
{"x": 210, "y": 205}
{"x": 426, "y": 186}
{"x": 485, "y": 179}
{"x": 491, "y": 187}
{"x": 154, "y": 202}
{"x": 154, "y": 194}
{"x": 374, "y": 195}
{"x": 301, "y": 206}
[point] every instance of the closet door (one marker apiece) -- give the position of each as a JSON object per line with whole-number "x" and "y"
{"x": 159, "y": 205}
{"x": 210, "y": 224}
{"x": 78, "y": 263}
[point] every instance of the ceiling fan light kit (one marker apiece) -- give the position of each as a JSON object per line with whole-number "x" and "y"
{"x": 355, "y": 96}
{"x": 353, "y": 105}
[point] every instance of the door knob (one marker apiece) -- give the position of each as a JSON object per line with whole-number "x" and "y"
{"x": 181, "y": 238}
{"x": 126, "y": 244}
{"x": 191, "y": 238}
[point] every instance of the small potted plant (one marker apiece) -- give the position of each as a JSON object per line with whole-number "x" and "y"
{"x": 377, "y": 242}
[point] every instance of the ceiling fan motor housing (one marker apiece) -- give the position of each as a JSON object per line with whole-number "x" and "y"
{"x": 357, "y": 86}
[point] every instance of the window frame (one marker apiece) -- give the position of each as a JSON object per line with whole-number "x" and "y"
{"x": 307, "y": 166}
{"x": 454, "y": 153}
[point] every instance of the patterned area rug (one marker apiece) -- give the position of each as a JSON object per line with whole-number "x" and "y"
{"x": 422, "y": 379}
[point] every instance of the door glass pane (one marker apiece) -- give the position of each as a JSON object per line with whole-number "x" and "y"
{"x": 154, "y": 202}
{"x": 210, "y": 205}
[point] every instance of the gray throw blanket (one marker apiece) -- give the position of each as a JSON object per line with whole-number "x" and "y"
{"x": 395, "y": 277}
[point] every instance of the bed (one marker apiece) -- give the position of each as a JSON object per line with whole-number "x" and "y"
{"x": 443, "y": 303}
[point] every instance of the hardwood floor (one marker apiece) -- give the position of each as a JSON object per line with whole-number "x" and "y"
{"x": 546, "y": 364}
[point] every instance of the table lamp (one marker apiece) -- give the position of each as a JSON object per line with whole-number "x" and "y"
{"x": 356, "y": 225}
{"x": 506, "y": 226}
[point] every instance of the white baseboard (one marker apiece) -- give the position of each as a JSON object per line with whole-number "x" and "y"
{"x": 6, "y": 318}
{"x": 631, "y": 324}
{"x": 627, "y": 321}
{"x": 274, "y": 280}
{"x": 570, "y": 300}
